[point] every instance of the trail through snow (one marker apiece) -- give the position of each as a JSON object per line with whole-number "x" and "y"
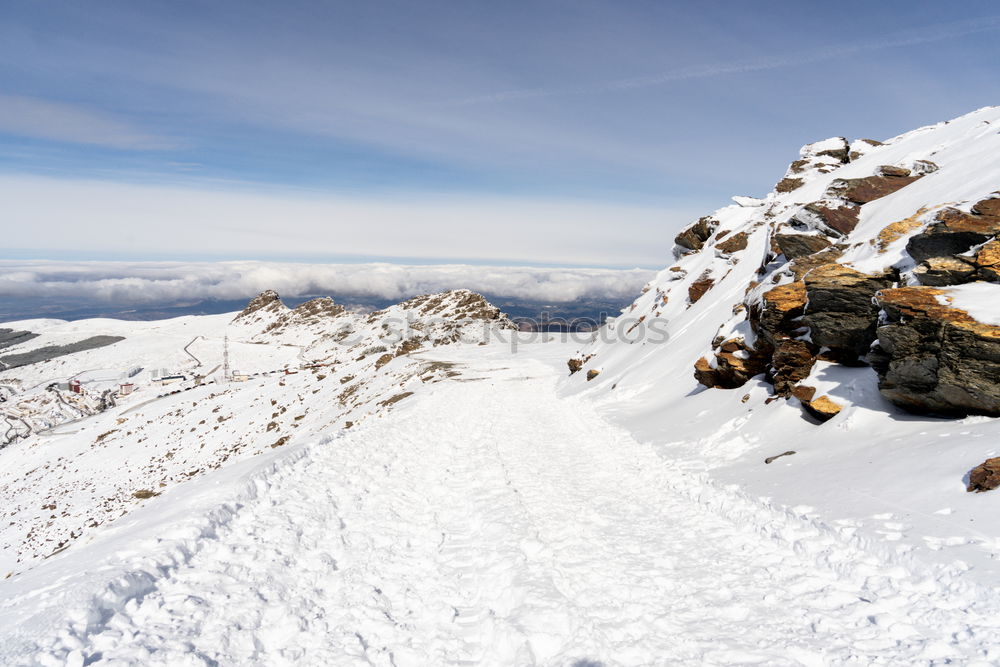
{"x": 488, "y": 521}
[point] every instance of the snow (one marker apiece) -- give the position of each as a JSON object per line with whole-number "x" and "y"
{"x": 891, "y": 484}
{"x": 979, "y": 300}
{"x": 414, "y": 540}
{"x": 466, "y": 501}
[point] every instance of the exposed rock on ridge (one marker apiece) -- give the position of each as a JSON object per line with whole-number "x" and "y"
{"x": 936, "y": 358}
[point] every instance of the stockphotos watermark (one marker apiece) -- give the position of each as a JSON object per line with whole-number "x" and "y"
{"x": 625, "y": 329}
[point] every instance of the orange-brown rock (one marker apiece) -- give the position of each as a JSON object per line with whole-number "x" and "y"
{"x": 735, "y": 363}
{"x": 823, "y": 408}
{"x": 788, "y": 184}
{"x": 694, "y": 236}
{"x": 793, "y": 246}
{"x": 988, "y": 261}
{"x": 734, "y": 243}
{"x": 934, "y": 358}
{"x": 953, "y": 231}
{"x": 803, "y": 265}
{"x": 938, "y": 271}
{"x": 791, "y": 363}
{"x": 840, "y": 313}
{"x": 838, "y": 220}
{"x": 896, "y": 230}
{"x": 863, "y": 190}
{"x": 697, "y": 289}
{"x": 985, "y": 477}
{"x": 773, "y": 319}
{"x": 804, "y": 392}
{"x": 989, "y": 207}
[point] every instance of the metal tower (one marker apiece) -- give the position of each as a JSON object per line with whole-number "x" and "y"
{"x": 225, "y": 359}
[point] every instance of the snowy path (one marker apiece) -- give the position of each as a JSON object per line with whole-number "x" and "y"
{"x": 490, "y": 522}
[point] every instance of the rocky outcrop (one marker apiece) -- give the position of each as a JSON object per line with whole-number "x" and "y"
{"x": 735, "y": 363}
{"x": 733, "y": 243}
{"x": 267, "y": 302}
{"x": 818, "y": 158}
{"x": 939, "y": 271}
{"x": 317, "y": 309}
{"x": 455, "y": 305}
{"x": 859, "y": 191}
{"x": 775, "y": 317}
{"x": 788, "y": 184}
{"x": 860, "y": 147}
{"x": 954, "y": 232}
{"x": 987, "y": 261}
{"x": 699, "y": 287}
{"x": 791, "y": 363}
{"x": 934, "y": 358}
{"x": 840, "y": 313}
{"x": 823, "y": 408}
{"x": 794, "y": 246}
{"x": 693, "y": 238}
{"x": 831, "y": 217}
{"x": 984, "y": 477}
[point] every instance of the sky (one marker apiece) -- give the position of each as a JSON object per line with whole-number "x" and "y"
{"x": 547, "y": 133}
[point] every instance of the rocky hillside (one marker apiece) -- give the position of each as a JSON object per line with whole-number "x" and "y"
{"x": 299, "y": 374}
{"x": 880, "y": 256}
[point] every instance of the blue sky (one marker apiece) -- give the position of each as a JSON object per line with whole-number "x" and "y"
{"x": 557, "y": 131}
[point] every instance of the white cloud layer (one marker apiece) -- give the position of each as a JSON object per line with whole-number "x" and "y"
{"x": 136, "y": 283}
{"x": 136, "y": 221}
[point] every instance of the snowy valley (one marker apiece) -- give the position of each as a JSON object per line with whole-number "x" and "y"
{"x": 770, "y": 457}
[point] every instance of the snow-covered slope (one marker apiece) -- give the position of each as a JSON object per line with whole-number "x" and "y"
{"x": 73, "y": 464}
{"x": 782, "y": 312}
{"x": 764, "y": 460}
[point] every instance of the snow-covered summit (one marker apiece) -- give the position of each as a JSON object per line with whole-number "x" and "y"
{"x": 836, "y": 348}
{"x": 771, "y": 290}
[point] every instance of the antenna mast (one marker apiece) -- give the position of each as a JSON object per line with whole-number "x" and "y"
{"x": 225, "y": 359}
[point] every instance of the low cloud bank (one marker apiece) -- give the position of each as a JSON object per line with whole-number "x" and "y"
{"x": 135, "y": 283}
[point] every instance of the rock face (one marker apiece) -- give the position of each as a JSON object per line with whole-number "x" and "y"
{"x": 794, "y": 246}
{"x": 791, "y": 363}
{"x": 775, "y": 318}
{"x": 735, "y": 363}
{"x": 938, "y": 271}
{"x": 693, "y": 238}
{"x": 789, "y": 184}
{"x": 267, "y": 301}
{"x": 832, "y": 217}
{"x": 698, "y": 288}
{"x": 822, "y": 408}
{"x": 988, "y": 261}
{"x": 733, "y": 243}
{"x": 954, "y": 232}
{"x": 457, "y": 305}
{"x": 312, "y": 312}
{"x": 840, "y": 313}
{"x": 985, "y": 477}
{"x": 933, "y": 358}
{"x": 868, "y": 189}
